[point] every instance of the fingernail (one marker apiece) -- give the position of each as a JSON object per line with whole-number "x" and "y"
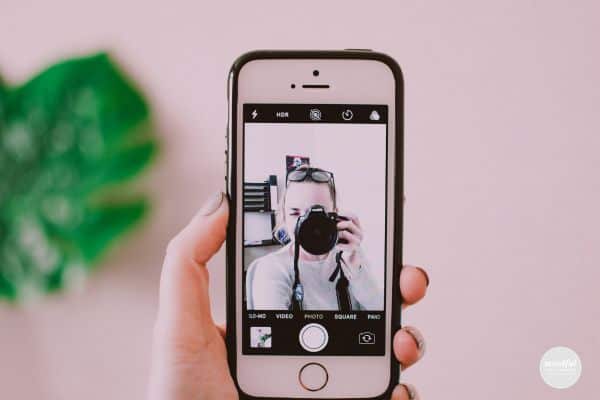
{"x": 424, "y": 273}
{"x": 412, "y": 393}
{"x": 212, "y": 204}
{"x": 419, "y": 340}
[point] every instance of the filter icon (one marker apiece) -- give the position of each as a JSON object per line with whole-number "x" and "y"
{"x": 374, "y": 116}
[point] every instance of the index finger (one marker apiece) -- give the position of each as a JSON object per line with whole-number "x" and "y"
{"x": 351, "y": 216}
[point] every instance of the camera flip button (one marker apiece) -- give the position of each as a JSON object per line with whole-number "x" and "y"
{"x": 313, "y": 337}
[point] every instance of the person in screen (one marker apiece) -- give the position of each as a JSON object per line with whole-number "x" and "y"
{"x": 270, "y": 280}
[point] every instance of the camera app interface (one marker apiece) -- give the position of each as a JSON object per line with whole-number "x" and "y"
{"x": 314, "y": 223}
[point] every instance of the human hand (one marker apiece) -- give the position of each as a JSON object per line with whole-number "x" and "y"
{"x": 189, "y": 357}
{"x": 350, "y": 236}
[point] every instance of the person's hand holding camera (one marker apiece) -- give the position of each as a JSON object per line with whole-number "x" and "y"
{"x": 350, "y": 236}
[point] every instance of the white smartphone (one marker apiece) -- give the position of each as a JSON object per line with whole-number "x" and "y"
{"x": 314, "y": 245}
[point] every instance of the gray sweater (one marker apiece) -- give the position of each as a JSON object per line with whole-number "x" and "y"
{"x": 270, "y": 279}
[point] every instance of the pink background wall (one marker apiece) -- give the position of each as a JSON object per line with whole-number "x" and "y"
{"x": 502, "y": 179}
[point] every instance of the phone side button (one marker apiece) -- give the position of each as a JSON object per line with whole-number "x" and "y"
{"x": 313, "y": 377}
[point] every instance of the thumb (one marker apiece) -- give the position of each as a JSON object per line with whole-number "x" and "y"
{"x": 189, "y": 358}
{"x": 205, "y": 233}
{"x": 184, "y": 303}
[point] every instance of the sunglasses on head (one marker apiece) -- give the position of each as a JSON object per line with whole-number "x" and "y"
{"x": 315, "y": 174}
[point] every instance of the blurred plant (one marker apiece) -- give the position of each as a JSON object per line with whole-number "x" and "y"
{"x": 70, "y": 140}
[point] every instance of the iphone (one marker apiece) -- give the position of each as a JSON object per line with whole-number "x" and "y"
{"x": 314, "y": 242}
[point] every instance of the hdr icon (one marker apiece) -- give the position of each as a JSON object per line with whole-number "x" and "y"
{"x": 282, "y": 114}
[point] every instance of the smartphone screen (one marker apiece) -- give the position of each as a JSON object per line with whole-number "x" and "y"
{"x": 314, "y": 229}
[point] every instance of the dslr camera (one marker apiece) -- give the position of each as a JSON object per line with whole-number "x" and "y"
{"x": 316, "y": 230}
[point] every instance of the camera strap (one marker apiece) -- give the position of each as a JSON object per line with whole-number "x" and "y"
{"x": 297, "y": 289}
{"x": 341, "y": 287}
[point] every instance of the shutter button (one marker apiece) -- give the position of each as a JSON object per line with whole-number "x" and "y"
{"x": 313, "y": 337}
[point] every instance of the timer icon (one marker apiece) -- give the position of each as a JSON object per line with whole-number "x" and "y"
{"x": 347, "y": 115}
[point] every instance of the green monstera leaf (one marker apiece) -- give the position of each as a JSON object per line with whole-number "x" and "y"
{"x": 71, "y": 139}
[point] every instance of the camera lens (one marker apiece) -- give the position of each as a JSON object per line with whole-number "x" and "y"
{"x": 293, "y": 85}
{"x": 317, "y": 231}
{"x": 316, "y": 72}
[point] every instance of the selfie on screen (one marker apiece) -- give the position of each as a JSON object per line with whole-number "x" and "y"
{"x": 314, "y": 217}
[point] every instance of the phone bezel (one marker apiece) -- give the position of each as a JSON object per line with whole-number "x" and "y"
{"x": 395, "y": 128}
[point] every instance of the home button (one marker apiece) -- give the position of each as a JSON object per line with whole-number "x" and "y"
{"x": 313, "y": 377}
